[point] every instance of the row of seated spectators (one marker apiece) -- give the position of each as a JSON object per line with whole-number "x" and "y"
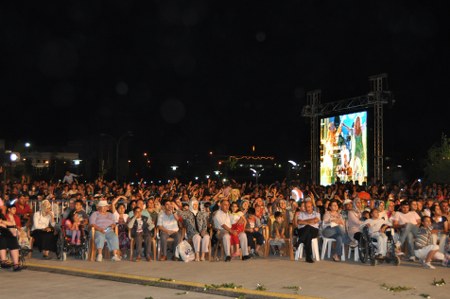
{"x": 243, "y": 217}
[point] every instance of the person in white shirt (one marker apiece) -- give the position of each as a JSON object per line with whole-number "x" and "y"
{"x": 69, "y": 177}
{"x": 307, "y": 223}
{"x": 222, "y": 223}
{"x": 43, "y": 229}
{"x": 377, "y": 230}
{"x": 408, "y": 223}
{"x": 168, "y": 228}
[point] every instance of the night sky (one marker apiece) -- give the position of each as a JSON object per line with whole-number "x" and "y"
{"x": 218, "y": 75}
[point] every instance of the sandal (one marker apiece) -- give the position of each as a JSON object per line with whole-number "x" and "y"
{"x": 5, "y": 264}
{"x": 17, "y": 268}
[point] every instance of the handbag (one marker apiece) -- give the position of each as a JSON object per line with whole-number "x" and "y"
{"x": 184, "y": 251}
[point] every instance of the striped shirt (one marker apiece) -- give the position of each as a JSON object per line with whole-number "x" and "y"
{"x": 423, "y": 238}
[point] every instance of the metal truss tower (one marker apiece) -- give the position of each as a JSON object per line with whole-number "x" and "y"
{"x": 376, "y": 98}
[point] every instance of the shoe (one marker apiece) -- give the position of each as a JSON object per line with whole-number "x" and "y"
{"x": 235, "y": 254}
{"x": 412, "y": 258}
{"x": 336, "y": 258}
{"x": 246, "y": 257}
{"x": 46, "y": 257}
{"x": 309, "y": 260}
{"x": 116, "y": 258}
{"x": 17, "y": 268}
{"x": 138, "y": 259}
{"x": 202, "y": 259}
{"x": 99, "y": 258}
{"x": 148, "y": 258}
{"x": 256, "y": 253}
{"x": 379, "y": 257}
{"x": 429, "y": 266}
{"x": 78, "y": 242}
{"x": 163, "y": 258}
{"x": 227, "y": 258}
{"x": 353, "y": 244}
{"x": 5, "y": 265}
{"x": 398, "y": 252}
{"x": 175, "y": 259}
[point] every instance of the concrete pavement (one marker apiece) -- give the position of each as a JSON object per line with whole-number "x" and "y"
{"x": 279, "y": 276}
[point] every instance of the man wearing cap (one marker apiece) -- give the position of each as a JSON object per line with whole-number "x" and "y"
{"x": 104, "y": 224}
{"x": 408, "y": 223}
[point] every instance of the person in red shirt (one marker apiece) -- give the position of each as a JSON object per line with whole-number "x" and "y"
{"x": 11, "y": 213}
{"x": 23, "y": 210}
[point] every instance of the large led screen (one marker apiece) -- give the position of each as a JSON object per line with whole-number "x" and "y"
{"x": 343, "y": 148}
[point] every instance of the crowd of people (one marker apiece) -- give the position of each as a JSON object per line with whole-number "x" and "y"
{"x": 246, "y": 220}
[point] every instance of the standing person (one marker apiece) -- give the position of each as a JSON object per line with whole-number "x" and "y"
{"x": 8, "y": 241}
{"x": 222, "y": 223}
{"x": 69, "y": 178}
{"x": 43, "y": 229}
{"x": 307, "y": 223}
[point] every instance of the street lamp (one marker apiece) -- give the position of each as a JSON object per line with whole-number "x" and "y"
{"x": 117, "y": 142}
{"x": 293, "y": 163}
{"x": 256, "y": 174}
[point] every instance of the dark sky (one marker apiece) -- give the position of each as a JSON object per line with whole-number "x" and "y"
{"x": 218, "y": 75}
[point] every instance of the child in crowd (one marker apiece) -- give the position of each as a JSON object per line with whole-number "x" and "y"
{"x": 278, "y": 233}
{"x": 238, "y": 224}
{"x": 74, "y": 228}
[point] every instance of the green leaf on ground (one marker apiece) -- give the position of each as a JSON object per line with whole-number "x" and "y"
{"x": 395, "y": 288}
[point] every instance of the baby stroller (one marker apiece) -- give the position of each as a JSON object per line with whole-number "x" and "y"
{"x": 367, "y": 247}
{"x": 64, "y": 245}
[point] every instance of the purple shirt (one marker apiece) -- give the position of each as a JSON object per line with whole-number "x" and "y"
{"x": 102, "y": 220}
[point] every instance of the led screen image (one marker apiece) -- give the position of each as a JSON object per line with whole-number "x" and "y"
{"x": 343, "y": 148}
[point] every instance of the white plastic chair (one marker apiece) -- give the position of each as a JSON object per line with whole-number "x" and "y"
{"x": 315, "y": 250}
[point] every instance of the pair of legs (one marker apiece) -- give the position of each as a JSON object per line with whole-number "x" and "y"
{"x": 164, "y": 236}
{"x": 45, "y": 241}
{"x": 408, "y": 234}
{"x": 338, "y": 233}
{"x": 305, "y": 235}
{"x": 146, "y": 239}
{"x": 13, "y": 246}
{"x": 251, "y": 242}
{"x": 200, "y": 244}
{"x": 224, "y": 237}
{"x": 111, "y": 239}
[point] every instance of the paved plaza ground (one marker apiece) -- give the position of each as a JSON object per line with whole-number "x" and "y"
{"x": 279, "y": 276}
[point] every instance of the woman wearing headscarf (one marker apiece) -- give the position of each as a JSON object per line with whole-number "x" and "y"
{"x": 43, "y": 229}
{"x": 196, "y": 224}
{"x": 354, "y": 221}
